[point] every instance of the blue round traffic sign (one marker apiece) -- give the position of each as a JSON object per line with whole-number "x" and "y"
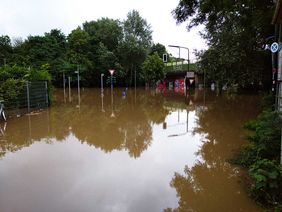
{"x": 274, "y": 47}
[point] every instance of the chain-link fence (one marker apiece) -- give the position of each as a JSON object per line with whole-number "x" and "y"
{"x": 33, "y": 96}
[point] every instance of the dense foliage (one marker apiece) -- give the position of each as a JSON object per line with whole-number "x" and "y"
{"x": 267, "y": 181}
{"x": 262, "y": 155}
{"x": 235, "y": 32}
{"x": 93, "y": 48}
{"x": 153, "y": 68}
{"x": 13, "y": 79}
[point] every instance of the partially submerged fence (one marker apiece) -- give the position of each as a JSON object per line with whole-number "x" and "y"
{"x": 33, "y": 96}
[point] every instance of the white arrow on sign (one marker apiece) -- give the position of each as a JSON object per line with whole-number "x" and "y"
{"x": 111, "y": 71}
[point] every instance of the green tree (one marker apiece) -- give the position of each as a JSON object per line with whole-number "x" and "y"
{"x": 153, "y": 68}
{"x": 78, "y": 46}
{"x": 37, "y": 51}
{"x": 106, "y": 31}
{"x": 57, "y": 44}
{"x": 235, "y": 33}
{"x": 78, "y": 53}
{"x": 136, "y": 43}
{"x": 6, "y": 49}
{"x": 105, "y": 36}
{"x": 159, "y": 48}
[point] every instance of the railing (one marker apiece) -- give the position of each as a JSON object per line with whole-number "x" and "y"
{"x": 172, "y": 67}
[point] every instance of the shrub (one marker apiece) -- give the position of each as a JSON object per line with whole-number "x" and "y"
{"x": 268, "y": 135}
{"x": 266, "y": 178}
{"x": 10, "y": 89}
{"x": 246, "y": 156}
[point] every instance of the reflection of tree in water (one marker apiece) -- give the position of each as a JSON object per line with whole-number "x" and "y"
{"x": 23, "y": 132}
{"x": 211, "y": 185}
{"x": 223, "y": 122}
{"x": 209, "y": 188}
{"x": 154, "y": 107}
{"x": 130, "y": 129}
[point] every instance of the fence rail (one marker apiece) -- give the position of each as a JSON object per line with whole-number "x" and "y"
{"x": 172, "y": 67}
{"x": 33, "y": 96}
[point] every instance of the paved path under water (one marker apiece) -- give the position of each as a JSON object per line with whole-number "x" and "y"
{"x": 134, "y": 151}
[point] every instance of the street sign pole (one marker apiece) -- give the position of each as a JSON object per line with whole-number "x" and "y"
{"x": 112, "y": 73}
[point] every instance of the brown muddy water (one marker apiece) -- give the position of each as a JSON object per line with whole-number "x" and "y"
{"x": 145, "y": 151}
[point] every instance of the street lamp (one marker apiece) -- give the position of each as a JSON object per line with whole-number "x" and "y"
{"x": 178, "y": 51}
{"x": 179, "y": 47}
{"x": 179, "y": 57}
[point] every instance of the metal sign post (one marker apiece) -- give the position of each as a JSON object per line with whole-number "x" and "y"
{"x": 112, "y": 97}
{"x": 112, "y": 73}
{"x": 78, "y": 85}
{"x": 102, "y": 88}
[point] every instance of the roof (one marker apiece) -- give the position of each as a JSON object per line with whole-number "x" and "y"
{"x": 277, "y": 17}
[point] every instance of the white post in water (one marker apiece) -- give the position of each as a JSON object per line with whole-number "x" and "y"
{"x": 112, "y": 95}
{"x": 102, "y": 87}
{"x": 78, "y": 86}
{"x": 27, "y": 97}
{"x": 112, "y": 73}
{"x": 69, "y": 89}
{"x": 64, "y": 85}
{"x": 46, "y": 93}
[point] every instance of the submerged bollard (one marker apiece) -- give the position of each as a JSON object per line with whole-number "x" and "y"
{"x": 2, "y": 113}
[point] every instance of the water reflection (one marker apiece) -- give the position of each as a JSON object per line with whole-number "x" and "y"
{"x": 203, "y": 187}
{"x": 91, "y": 126}
{"x": 133, "y": 151}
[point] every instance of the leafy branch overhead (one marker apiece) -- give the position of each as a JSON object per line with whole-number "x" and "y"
{"x": 235, "y": 32}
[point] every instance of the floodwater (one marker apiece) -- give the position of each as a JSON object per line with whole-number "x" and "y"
{"x": 130, "y": 151}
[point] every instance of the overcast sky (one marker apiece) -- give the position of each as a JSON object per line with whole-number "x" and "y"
{"x": 20, "y": 18}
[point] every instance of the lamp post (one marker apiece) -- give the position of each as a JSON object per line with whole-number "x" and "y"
{"x": 178, "y": 50}
{"x": 179, "y": 47}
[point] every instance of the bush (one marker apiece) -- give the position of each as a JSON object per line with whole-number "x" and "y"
{"x": 268, "y": 102}
{"x": 268, "y": 135}
{"x": 265, "y": 143}
{"x": 10, "y": 89}
{"x": 266, "y": 178}
{"x": 14, "y": 78}
{"x": 261, "y": 156}
{"x": 246, "y": 156}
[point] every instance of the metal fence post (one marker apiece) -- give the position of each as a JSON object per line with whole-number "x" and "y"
{"x": 28, "y": 97}
{"x": 46, "y": 90}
